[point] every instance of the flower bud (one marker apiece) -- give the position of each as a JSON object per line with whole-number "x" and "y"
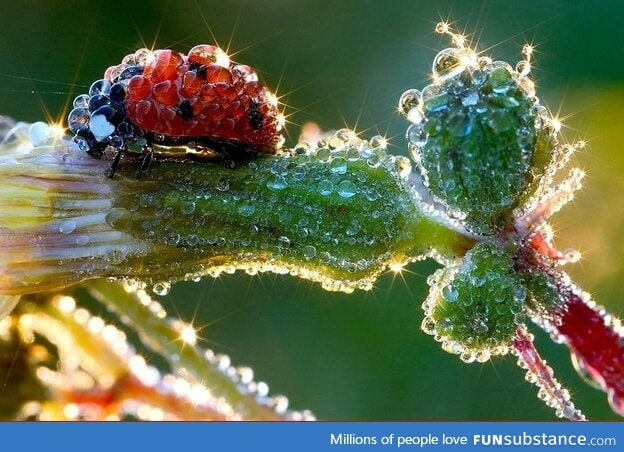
{"x": 475, "y": 307}
{"x": 480, "y": 138}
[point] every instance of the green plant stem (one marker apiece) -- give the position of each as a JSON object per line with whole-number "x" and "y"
{"x": 337, "y": 221}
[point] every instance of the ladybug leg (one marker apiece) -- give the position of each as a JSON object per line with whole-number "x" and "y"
{"x": 147, "y": 159}
{"x": 227, "y": 160}
{"x": 116, "y": 159}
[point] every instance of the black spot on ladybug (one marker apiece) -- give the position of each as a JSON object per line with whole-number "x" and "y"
{"x": 108, "y": 112}
{"x": 117, "y": 94}
{"x": 256, "y": 119}
{"x": 185, "y": 109}
{"x": 199, "y": 69}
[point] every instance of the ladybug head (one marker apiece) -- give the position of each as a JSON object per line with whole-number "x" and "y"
{"x": 99, "y": 118}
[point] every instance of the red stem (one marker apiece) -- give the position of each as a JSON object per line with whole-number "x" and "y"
{"x": 595, "y": 338}
{"x": 595, "y": 341}
{"x": 540, "y": 373}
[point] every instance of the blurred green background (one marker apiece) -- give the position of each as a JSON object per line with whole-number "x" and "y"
{"x": 360, "y": 356}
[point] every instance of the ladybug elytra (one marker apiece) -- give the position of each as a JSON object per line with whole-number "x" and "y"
{"x": 199, "y": 100}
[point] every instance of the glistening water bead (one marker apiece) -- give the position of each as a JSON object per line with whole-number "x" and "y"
{"x": 480, "y": 138}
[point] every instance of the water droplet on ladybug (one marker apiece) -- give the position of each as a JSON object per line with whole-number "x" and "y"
{"x": 117, "y": 94}
{"x": 96, "y": 101}
{"x": 100, "y": 87}
{"x": 81, "y": 101}
{"x": 78, "y": 119}
{"x": 129, "y": 72}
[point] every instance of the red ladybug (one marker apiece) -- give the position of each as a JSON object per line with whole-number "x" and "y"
{"x": 162, "y": 97}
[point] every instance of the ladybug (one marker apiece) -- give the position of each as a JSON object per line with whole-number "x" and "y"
{"x": 199, "y": 100}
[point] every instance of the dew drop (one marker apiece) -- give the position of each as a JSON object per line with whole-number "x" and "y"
{"x": 326, "y": 187}
{"x": 353, "y": 154}
{"x": 415, "y": 116}
{"x": 299, "y": 172}
{"x": 353, "y": 228}
{"x": 467, "y": 357}
{"x": 82, "y": 240}
{"x": 428, "y": 325}
{"x": 83, "y": 144}
{"x": 39, "y": 133}
{"x": 223, "y": 184}
{"x": 188, "y": 207}
{"x": 483, "y": 356}
{"x": 67, "y": 226}
{"x": 115, "y": 216}
{"x": 479, "y": 326}
{"x": 302, "y": 159}
{"x": 116, "y": 141}
{"x": 346, "y": 189}
{"x": 372, "y": 194}
{"x": 445, "y": 325}
{"x": 81, "y": 101}
{"x": 301, "y": 149}
{"x": 335, "y": 143}
{"x": 309, "y": 252}
{"x": 323, "y": 155}
{"x": 279, "y": 183}
{"x": 78, "y": 119}
{"x": 450, "y": 294}
{"x": 325, "y": 257}
{"x": 192, "y": 240}
{"x": 409, "y": 100}
{"x": 373, "y": 160}
{"x": 416, "y": 135}
{"x": 115, "y": 257}
{"x": 519, "y": 293}
{"x": 616, "y": 402}
{"x": 469, "y": 97}
{"x": 379, "y": 142}
{"x": 161, "y": 288}
{"x": 430, "y": 91}
{"x": 100, "y": 126}
{"x": 338, "y": 166}
{"x": 478, "y": 77}
{"x": 447, "y": 63}
{"x": 247, "y": 209}
{"x": 527, "y": 85}
{"x": 172, "y": 239}
{"x": 523, "y": 68}
{"x": 345, "y": 134}
{"x": 437, "y": 103}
